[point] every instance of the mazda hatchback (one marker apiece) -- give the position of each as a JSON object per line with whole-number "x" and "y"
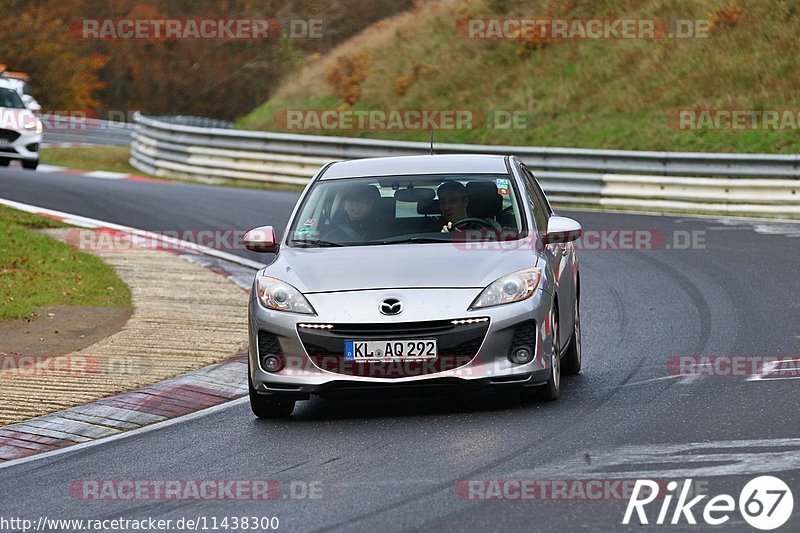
{"x": 417, "y": 271}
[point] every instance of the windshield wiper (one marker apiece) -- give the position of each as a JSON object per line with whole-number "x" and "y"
{"x": 314, "y": 243}
{"x": 414, "y": 240}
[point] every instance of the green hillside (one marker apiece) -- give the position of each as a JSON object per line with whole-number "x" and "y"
{"x": 592, "y": 93}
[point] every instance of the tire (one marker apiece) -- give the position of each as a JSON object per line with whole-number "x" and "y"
{"x": 268, "y": 406}
{"x": 30, "y": 165}
{"x": 551, "y": 390}
{"x": 4, "y": 162}
{"x": 572, "y": 355}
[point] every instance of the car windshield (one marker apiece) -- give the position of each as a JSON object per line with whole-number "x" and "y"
{"x": 10, "y": 99}
{"x": 408, "y": 209}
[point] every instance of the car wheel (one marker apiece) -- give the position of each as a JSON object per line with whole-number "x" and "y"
{"x": 4, "y": 162}
{"x": 30, "y": 165}
{"x": 572, "y": 355}
{"x": 551, "y": 390}
{"x": 264, "y": 406}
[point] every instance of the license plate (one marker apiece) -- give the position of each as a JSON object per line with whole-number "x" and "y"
{"x": 4, "y": 143}
{"x": 390, "y": 350}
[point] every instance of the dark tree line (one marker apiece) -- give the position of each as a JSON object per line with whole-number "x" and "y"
{"x": 217, "y": 78}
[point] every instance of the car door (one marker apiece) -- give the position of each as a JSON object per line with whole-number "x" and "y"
{"x": 561, "y": 257}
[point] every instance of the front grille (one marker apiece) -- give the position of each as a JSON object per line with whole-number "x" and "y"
{"x": 9, "y": 135}
{"x": 457, "y": 345}
{"x": 378, "y": 330}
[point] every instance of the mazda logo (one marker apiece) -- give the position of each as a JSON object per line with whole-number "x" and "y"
{"x": 391, "y": 306}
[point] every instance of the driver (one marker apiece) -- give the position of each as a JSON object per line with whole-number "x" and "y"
{"x": 453, "y": 202}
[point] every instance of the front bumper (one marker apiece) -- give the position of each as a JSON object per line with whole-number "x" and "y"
{"x": 474, "y": 352}
{"x": 16, "y": 144}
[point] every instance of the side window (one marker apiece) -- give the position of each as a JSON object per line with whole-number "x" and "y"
{"x": 541, "y": 209}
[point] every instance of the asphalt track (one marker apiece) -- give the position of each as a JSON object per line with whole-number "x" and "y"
{"x": 386, "y": 464}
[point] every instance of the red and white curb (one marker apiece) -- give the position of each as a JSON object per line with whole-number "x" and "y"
{"x": 98, "y": 174}
{"x": 132, "y": 411}
{"x": 176, "y": 397}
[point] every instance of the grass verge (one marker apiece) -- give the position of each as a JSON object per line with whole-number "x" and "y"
{"x": 37, "y": 270}
{"x": 109, "y": 158}
{"x": 585, "y": 93}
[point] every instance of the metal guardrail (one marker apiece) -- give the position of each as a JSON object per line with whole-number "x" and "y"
{"x": 191, "y": 120}
{"x": 757, "y": 184}
{"x": 78, "y": 130}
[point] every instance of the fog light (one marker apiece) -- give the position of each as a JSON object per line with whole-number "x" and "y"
{"x": 521, "y": 355}
{"x": 272, "y": 363}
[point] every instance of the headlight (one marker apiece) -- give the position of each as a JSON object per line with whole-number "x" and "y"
{"x": 511, "y": 288}
{"x": 275, "y": 294}
{"x": 34, "y": 124}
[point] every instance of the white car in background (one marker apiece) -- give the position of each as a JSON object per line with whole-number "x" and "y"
{"x": 19, "y": 82}
{"x": 20, "y": 129}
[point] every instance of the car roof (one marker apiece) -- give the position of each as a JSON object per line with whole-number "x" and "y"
{"x": 8, "y": 83}
{"x": 417, "y": 164}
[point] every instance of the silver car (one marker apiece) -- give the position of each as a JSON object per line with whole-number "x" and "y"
{"x": 418, "y": 271}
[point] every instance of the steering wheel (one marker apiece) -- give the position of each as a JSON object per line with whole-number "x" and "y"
{"x": 457, "y": 226}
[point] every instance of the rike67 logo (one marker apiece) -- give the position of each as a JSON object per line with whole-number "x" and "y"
{"x": 765, "y": 503}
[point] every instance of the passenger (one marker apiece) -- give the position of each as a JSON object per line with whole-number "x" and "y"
{"x": 360, "y": 224}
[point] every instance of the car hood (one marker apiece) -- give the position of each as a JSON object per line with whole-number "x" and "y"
{"x": 16, "y": 119}
{"x": 396, "y": 266}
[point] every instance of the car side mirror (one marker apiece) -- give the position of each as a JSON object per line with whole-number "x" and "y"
{"x": 261, "y": 239}
{"x": 29, "y": 102}
{"x": 562, "y": 230}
